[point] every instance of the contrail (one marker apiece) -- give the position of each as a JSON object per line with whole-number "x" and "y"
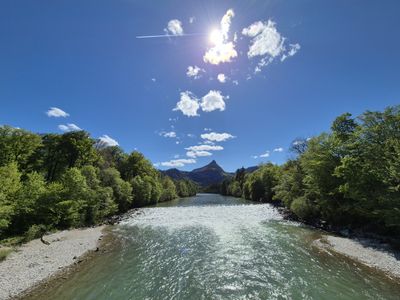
{"x": 166, "y": 35}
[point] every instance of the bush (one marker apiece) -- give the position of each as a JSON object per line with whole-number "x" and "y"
{"x": 4, "y": 252}
{"x": 302, "y": 208}
{"x": 34, "y": 232}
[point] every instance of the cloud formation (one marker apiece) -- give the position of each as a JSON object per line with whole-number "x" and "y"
{"x": 194, "y": 71}
{"x": 195, "y": 154}
{"x": 223, "y": 50}
{"x": 56, "y": 113}
{"x": 221, "y": 78}
{"x": 170, "y": 134}
{"x": 205, "y": 148}
{"x": 212, "y": 101}
{"x": 69, "y": 127}
{"x": 217, "y": 137}
{"x": 107, "y": 141}
{"x": 188, "y": 104}
{"x": 267, "y": 43}
{"x": 174, "y": 27}
{"x": 266, "y": 154}
{"x": 280, "y": 149}
{"x": 177, "y": 163}
{"x": 293, "y": 48}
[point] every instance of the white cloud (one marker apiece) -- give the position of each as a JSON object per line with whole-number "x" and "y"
{"x": 212, "y": 101}
{"x": 299, "y": 142}
{"x": 280, "y": 149}
{"x": 221, "y": 78}
{"x": 266, "y": 39}
{"x": 192, "y": 19}
{"x": 235, "y": 82}
{"x": 205, "y": 147}
{"x": 293, "y": 48}
{"x": 56, "y": 112}
{"x": 191, "y": 135}
{"x": 222, "y": 50}
{"x": 176, "y": 163}
{"x": 255, "y": 156}
{"x": 170, "y": 134}
{"x": 217, "y": 137}
{"x": 195, "y": 154}
{"x": 176, "y": 156}
{"x": 194, "y": 71}
{"x": 107, "y": 141}
{"x": 226, "y": 22}
{"x": 153, "y": 79}
{"x": 69, "y": 127}
{"x": 188, "y": 104}
{"x": 220, "y": 53}
{"x": 266, "y": 154}
{"x": 207, "y": 129}
{"x": 268, "y": 43}
{"x": 174, "y": 27}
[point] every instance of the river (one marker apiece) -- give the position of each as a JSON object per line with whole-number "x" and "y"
{"x": 215, "y": 247}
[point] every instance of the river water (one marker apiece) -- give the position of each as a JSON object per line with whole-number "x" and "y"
{"x": 215, "y": 247}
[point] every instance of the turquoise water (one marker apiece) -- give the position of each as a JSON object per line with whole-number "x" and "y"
{"x": 215, "y": 247}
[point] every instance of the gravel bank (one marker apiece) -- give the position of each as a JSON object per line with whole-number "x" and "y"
{"x": 365, "y": 251}
{"x": 35, "y": 261}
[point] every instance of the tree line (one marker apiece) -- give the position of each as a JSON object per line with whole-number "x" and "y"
{"x": 50, "y": 181}
{"x": 349, "y": 177}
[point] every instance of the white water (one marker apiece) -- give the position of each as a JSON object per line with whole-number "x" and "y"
{"x": 214, "y": 247}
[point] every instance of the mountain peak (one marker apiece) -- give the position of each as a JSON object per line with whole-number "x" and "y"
{"x": 205, "y": 176}
{"x": 213, "y": 163}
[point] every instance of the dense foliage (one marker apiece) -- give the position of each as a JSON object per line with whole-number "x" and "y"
{"x": 59, "y": 181}
{"x": 348, "y": 177}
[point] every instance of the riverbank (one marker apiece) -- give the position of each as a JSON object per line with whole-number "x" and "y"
{"x": 365, "y": 251}
{"x": 36, "y": 262}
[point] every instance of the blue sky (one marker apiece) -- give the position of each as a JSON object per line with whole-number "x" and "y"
{"x": 316, "y": 60}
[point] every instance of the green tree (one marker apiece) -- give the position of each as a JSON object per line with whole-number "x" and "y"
{"x": 168, "y": 189}
{"x": 60, "y": 152}
{"x": 146, "y": 190}
{"x": 291, "y": 183}
{"x": 137, "y": 165}
{"x": 75, "y": 194}
{"x": 26, "y": 203}
{"x": 122, "y": 190}
{"x": 10, "y": 186}
{"x": 17, "y": 145}
{"x": 100, "y": 200}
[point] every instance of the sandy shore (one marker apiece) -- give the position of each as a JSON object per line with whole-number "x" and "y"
{"x": 367, "y": 252}
{"x": 35, "y": 262}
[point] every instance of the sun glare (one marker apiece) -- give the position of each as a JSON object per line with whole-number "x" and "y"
{"x": 216, "y": 37}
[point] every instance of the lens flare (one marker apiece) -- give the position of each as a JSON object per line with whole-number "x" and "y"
{"x": 216, "y": 37}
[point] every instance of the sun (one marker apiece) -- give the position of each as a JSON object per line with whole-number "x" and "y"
{"x": 216, "y": 37}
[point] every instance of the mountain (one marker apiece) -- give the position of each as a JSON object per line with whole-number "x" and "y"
{"x": 210, "y": 174}
{"x": 252, "y": 169}
{"x": 204, "y": 176}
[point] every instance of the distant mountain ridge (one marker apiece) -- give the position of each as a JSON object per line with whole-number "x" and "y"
{"x": 208, "y": 175}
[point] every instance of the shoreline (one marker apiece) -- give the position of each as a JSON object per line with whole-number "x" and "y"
{"x": 368, "y": 252}
{"x": 34, "y": 264}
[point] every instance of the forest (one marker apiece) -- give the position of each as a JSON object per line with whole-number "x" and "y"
{"x": 56, "y": 181}
{"x": 347, "y": 178}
